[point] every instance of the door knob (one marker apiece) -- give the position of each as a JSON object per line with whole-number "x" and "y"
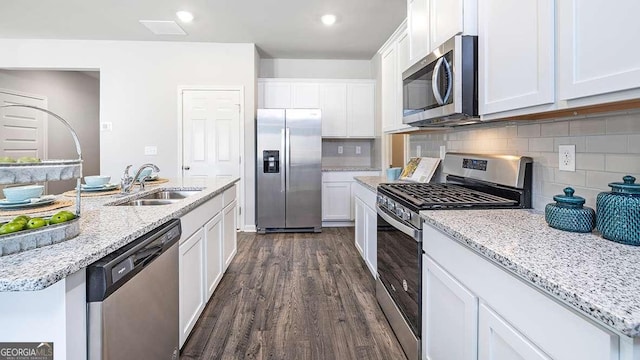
{"x": 185, "y": 167}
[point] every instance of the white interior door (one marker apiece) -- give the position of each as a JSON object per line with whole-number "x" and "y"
{"x": 22, "y": 130}
{"x": 211, "y": 135}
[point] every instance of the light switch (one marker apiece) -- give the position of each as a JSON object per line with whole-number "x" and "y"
{"x": 358, "y": 150}
{"x": 151, "y": 150}
{"x": 106, "y": 126}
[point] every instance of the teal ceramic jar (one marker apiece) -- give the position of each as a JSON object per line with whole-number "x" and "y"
{"x": 569, "y": 213}
{"x": 619, "y": 212}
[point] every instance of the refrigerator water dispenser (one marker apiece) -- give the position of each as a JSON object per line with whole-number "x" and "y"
{"x": 271, "y": 161}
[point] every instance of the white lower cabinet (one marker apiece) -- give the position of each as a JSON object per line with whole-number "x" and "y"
{"x": 213, "y": 249}
{"x": 360, "y": 224}
{"x": 449, "y": 316}
{"x": 500, "y": 341}
{"x": 207, "y": 247}
{"x": 470, "y": 303}
{"x": 192, "y": 294}
{"x": 371, "y": 239}
{"x": 229, "y": 245}
{"x": 366, "y": 236}
{"x": 336, "y": 201}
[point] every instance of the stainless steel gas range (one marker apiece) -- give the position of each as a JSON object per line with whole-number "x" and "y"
{"x": 473, "y": 181}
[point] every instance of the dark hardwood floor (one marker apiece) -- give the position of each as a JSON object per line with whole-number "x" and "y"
{"x": 294, "y": 296}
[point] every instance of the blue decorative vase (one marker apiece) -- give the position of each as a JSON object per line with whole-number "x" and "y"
{"x": 619, "y": 212}
{"x": 569, "y": 213}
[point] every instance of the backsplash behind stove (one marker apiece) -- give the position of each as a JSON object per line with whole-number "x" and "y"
{"x": 607, "y": 148}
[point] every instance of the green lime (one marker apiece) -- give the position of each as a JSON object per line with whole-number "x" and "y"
{"x": 20, "y": 222}
{"x": 58, "y": 218}
{"x": 68, "y": 214}
{"x": 36, "y": 223}
{"x": 11, "y": 228}
{"x": 6, "y": 159}
{"x": 24, "y": 218}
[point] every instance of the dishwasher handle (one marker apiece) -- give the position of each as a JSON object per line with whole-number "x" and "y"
{"x": 108, "y": 274}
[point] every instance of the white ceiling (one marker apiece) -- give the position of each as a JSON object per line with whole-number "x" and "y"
{"x": 280, "y": 28}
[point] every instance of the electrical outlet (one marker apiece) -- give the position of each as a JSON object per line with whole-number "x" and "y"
{"x": 340, "y": 150}
{"x": 443, "y": 151}
{"x": 151, "y": 150}
{"x": 418, "y": 151}
{"x": 358, "y": 150}
{"x": 567, "y": 157}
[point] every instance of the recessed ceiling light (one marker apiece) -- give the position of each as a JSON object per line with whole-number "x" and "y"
{"x": 185, "y": 16}
{"x": 328, "y": 19}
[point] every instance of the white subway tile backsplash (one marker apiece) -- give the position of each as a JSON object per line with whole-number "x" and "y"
{"x": 541, "y": 144}
{"x": 560, "y": 128}
{"x": 623, "y": 124}
{"x": 587, "y": 127}
{"x": 531, "y": 130}
{"x": 622, "y": 163}
{"x": 609, "y": 144}
{"x": 579, "y": 141}
{"x": 575, "y": 178}
{"x": 607, "y": 148}
{"x": 589, "y": 161}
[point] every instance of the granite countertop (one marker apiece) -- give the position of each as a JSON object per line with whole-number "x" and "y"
{"x": 349, "y": 168}
{"x": 372, "y": 182}
{"x": 103, "y": 229}
{"x": 596, "y": 276}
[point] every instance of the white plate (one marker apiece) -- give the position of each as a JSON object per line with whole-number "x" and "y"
{"x": 45, "y": 201}
{"x": 100, "y": 188}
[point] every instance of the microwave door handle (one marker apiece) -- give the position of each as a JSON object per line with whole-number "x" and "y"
{"x": 447, "y": 68}
{"x": 435, "y": 79}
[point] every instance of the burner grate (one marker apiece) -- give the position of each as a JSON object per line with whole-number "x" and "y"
{"x": 445, "y": 195}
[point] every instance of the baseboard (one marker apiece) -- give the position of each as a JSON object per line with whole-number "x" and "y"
{"x": 338, "y": 224}
{"x": 249, "y": 228}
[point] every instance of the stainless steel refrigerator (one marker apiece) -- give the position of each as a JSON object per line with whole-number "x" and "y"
{"x": 288, "y": 174}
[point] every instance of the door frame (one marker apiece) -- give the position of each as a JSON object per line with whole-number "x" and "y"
{"x": 240, "y": 88}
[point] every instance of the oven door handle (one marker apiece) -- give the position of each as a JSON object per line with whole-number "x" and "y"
{"x": 414, "y": 233}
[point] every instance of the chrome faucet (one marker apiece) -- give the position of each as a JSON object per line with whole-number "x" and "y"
{"x": 127, "y": 181}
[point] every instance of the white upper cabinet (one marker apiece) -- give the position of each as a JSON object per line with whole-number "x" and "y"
{"x": 305, "y": 95}
{"x": 394, "y": 59}
{"x": 333, "y": 103}
{"x": 515, "y": 54}
{"x": 360, "y": 110}
{"x": 403, "y": 54}
{"x": 277, "y": 95}
{"x": 597, "y": 50}
{"x": 418, "y": 26}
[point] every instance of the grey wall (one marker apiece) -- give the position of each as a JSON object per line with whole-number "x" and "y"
{"x": 73, "y": 95}
{"x": 348, "y": 158}
{"x": 607, "y": 148}
{"x": 315, "y": 69}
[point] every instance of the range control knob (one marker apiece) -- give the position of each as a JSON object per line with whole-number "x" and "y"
{"x": 406, "y": 216}
{"x": 400, "y": 212}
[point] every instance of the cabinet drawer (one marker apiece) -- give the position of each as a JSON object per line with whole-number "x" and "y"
{"x": 229, "y": 195}
{"x": 554, "y": 328}
{"x": 196, "y": 218}
{"x": 366, "y": 195}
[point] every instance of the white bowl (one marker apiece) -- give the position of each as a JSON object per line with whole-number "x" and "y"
{"x": 22, "y": 193}
{"x": 97, "y": 180}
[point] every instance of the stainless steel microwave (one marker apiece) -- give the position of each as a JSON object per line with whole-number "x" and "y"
{"x": 442, "y": 88}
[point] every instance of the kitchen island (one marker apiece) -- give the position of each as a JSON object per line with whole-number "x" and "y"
{"x": 42, "y": 291}
{"x": 567, "y": 295}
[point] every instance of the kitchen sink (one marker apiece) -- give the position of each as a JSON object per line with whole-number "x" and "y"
{"x": 164, "y": 197}
{"x": 170, "y": 194}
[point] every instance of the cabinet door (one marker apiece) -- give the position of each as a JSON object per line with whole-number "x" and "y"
{"x": 260, "y": 95}
{"x": 305, "y": 95}
{"x": 418, "y": 22}
{"x": 333, "y": 103}
{"x": 192, "y": 292}
{"x": 360, "y": 110}
{"x": 277, "y": 95}
{"x": 445, "y": 20}
{"x": 336, "y": 201}
{"x": 402, "y": 64}
{"x": 516, "y": 54}
{"x": 360, "y": 226}
{"x": 499, "y": 341}
{"x": 597, "y": 59}
{"x": 389, "y": 91}
{"x": 371, "y": 240}
{"x": 213, "y": 254}
{"x": 229, "y": 243}
{"x": 449, "y": 316}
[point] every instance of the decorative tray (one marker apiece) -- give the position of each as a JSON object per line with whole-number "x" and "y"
{"x": 47, "y": 170}
{"x": 30, "y": 239}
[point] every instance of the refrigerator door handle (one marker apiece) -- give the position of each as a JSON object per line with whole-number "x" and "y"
{"x": 282, "y": 152}
{"x": 288, "y": 157}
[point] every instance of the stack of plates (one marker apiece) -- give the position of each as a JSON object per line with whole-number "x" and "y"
{"x": 105, "y": 187}
{"x": 35, "y": 202}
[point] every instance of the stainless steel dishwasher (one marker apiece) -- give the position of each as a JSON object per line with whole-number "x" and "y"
{"x": 132, "y": 297}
